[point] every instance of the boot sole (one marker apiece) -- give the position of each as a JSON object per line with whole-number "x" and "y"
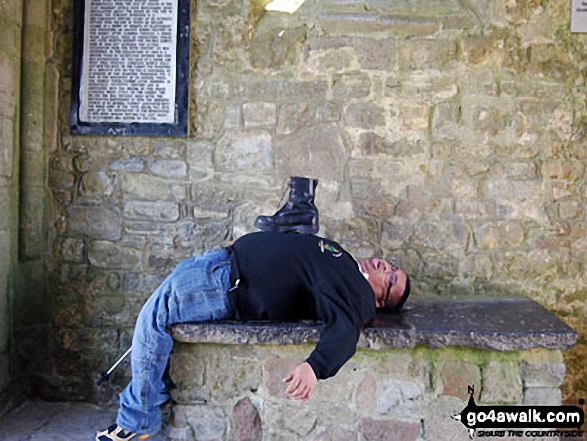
{"x": 301, "y": 229}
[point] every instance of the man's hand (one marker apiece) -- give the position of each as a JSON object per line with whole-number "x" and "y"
{"x": 302, "y": 381}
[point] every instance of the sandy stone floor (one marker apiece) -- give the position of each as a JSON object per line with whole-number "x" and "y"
{"x": 44, "y": 421}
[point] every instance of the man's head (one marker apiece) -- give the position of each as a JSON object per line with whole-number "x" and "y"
{"x": 390, "y": 284}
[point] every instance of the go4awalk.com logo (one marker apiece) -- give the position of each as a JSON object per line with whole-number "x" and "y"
{"x": 530, "y": 421}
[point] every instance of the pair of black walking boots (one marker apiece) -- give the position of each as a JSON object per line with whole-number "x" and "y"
{"x": 299, "y": 214}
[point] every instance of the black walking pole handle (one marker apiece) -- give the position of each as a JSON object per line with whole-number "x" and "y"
{"x": 104, "y": 377}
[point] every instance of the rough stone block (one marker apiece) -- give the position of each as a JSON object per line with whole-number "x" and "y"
{"x": 166, "y": 149}
{"x": 225, "y": 374}
{"x": 386, "y": 430}
{"x": 317, "y": 152}
{"x": 446, "y": 120}
{"x": 150, "y": 187}
{"x": 376, "y": 54}
{"x": 438, "y": 424}
{"x": 97, "y": 186}
{"x": 246, "y": 422}
{"x": 295, "y": 116}
{"x": 370, "y": 199}
{"x": 140, "y": 285}
{"x": 473, "y": 208}
{"x": 563, "y": 169}
{"x": 132, "y": 164}
{"x": 180, "y": 434}
{"x": 243, "y": 151}
{"x": 477, "y": 150}
{"x": 338, "y": 392}
{"x": 423, "y": 87}
{"x": 441, "y": 235}
{"x": 276, "y": 48}
{"x": 366, "y": 393}
{"x": 333, "y": 60}
{"x": 278, "y": 91}
{"x": 170, "y": 169}
{"x": 214, "y": 199}
{"x": 457, "y": 375}
{"x": 414, "y": 117}
{"x": 151, "y": 211}
{"x": 199, "y": 154}
{"x": 296, "y": 422}
{"x": 336, "y": 434}
{"x": 372, "y": 143}
{"x": 72, "y": 250}
{"x": 104, "y": 282}
{"x": 395, "y": 233}
{"x": 232, "y": 119}
{"x": 364, "y": 115}
{"x": 542, "y": 369}
{"x": 501, "y": 383}
{"x": 101, "y": 311}
{"x": 487, "y": 120}
{"x": 351, "y": 85}
{"x": 368, "y": 23}
{"x": 209, "y": 118}
{"x": 191, "y": 395}
{"x": 420, "y": 54}
{"x": 561, "y": 190}
{"x": 520, "y": 171}
{"x": 570, "y": 209}
{"x": 517, "y": 199}
{"x": 498, "y": 235}
{"x": 105, "y": 254}
{"x": 542, "y": 396}
{"x": 466, "y": 168}
{"x": 399, "y": 397}
{"x": 277, "y": 369}
{"x": 206, "y": 421}
{"x": 97, "y": 222}
{"x": 259, "y": 115}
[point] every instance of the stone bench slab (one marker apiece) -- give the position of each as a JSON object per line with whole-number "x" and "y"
{"x": 498, "y": 324}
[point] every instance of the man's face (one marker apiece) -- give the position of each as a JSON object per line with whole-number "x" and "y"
{"x": 387, "y": 280}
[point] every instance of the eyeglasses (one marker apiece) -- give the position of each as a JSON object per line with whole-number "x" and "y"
{"x": 394, "y": 268}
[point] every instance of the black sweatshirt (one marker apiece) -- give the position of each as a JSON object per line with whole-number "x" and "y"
{"x": 301, "y": 276}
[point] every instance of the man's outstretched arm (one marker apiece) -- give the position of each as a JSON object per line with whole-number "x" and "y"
{"x": 302, "y": 381}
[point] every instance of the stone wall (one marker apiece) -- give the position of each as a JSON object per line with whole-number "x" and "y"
{"x": 10, "y": 56}
{"x": 448, "y": 134}
{"x": 228, "y": 392}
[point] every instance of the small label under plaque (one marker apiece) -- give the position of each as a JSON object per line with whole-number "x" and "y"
{"x": 129, "y": 61}
{"x": 579, "y": 16}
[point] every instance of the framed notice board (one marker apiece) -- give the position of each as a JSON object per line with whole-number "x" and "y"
{"x": 130, "y": 67}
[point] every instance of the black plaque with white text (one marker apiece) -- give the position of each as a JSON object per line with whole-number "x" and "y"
{"x": 130, "y": 67}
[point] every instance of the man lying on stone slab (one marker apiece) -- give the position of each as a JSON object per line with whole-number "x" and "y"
{"x": 274, "y": 274}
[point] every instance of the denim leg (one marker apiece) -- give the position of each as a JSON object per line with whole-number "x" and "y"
{"x": 195, "y": 291}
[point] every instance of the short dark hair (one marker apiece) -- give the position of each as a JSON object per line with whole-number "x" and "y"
{"x": 403, "y": 298}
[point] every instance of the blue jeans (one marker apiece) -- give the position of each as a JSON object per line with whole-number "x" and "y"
{"x": 196, "y": 291}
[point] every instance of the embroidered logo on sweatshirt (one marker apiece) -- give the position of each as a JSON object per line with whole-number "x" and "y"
{"x": 324, "y": 246}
